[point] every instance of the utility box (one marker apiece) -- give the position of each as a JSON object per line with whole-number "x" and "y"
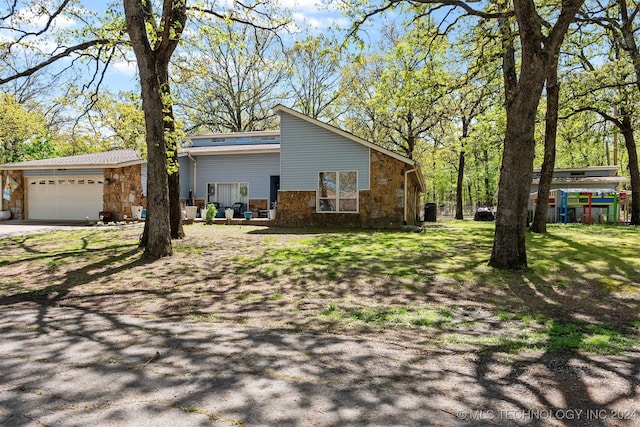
{"x": 430, "y": 212}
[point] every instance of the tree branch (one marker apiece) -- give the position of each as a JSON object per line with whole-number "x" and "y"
{"x": 25, "y": 34}
{"x": 234, "y": 18}
{"x": 65, "y": 53}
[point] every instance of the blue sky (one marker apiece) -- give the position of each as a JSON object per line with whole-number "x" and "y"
{"x": 122, "y": 74}
{"x": 319, "y": 20}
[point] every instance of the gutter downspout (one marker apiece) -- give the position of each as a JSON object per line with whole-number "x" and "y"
{"x": 195, "y": 174}
{"x": 406, "y": 201}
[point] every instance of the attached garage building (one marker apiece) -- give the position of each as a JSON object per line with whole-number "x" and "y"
{"x": 76, "y": 187}
{"x": 64, "y": 197}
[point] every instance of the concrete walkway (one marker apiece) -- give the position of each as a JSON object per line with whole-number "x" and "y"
{"x": 14, "y": 228}
{"x": 68, "y": 367}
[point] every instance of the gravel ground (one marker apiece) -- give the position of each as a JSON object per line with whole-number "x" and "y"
{"x": 77, "y": 367}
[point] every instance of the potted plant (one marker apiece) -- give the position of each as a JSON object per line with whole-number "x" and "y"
{"x": 211, "y": 213}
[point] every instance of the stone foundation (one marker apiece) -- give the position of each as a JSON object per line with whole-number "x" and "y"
{"x": 380, "y": 207}
{"x": 122, "y": 190}
{"x": 17, "y": 203}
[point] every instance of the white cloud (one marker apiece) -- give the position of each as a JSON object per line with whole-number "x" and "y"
{"x": 31, "y": 20}
{"x": 307, "y": 12}
{"x": 309, "y": 6}
{"x": 126, "y": 68}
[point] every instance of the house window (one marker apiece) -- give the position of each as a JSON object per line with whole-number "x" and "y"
{"x": 228, "y": 193}
{"x": 338, "y": 191}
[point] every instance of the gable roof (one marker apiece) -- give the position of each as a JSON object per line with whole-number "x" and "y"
{"x": 107, "y": 159}
{"x": 281, "y": 108}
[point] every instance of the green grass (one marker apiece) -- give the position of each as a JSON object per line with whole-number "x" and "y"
{"x": 572, "y": 270}
{"x": 427, "y": 317}
{"x": 528, "y": 331}
{"x": 581, "y": 292}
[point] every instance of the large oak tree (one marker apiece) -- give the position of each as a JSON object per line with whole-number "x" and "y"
{"x": 154, "y": 38}
{"x": 529, "y": 45}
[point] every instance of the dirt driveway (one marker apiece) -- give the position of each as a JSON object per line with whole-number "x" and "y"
{"x": 74, "y": 367}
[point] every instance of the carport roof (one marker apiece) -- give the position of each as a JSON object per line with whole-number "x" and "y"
{"x": 574, "y": 180}
{"x": 107, "y": 159}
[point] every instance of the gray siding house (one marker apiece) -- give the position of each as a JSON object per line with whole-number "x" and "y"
{"x": 331, "y": 177}
{"x": 227, "y": 169}
{"x": 316, "y": 174}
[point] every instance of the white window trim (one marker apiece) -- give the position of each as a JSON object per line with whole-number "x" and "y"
{"x": 216, "y": 183}
{"x": 337, "y": 172}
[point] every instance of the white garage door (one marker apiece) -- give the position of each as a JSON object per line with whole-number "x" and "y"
{"x": 71, "y": 198}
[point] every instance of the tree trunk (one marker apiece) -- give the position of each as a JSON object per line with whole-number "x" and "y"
{"x": 509, "y": 251}
{"x": 460, "y": 187}
{"x": 488, "y": 197}
{"x": 631, "y": 47}
{"x": 158, "y": 238}
{"x": 539, "y": 223}
{"x": 175, "y": 205}
{"x": 460, "y": 181}
{"x": 626, "y": 129}
{"x": 522, "y": 97}
{"x": 629, "y": 37}
{"x": 470, "y": 192}
{"x": 152, "y": 54}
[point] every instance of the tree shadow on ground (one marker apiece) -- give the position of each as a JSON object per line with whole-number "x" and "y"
{"x": 77, "y": 367}
{"x": 84, "y": 364}
{"x": 54, "y": 294}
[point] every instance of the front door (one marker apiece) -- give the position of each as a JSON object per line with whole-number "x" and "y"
{"x": 275, "y": 186}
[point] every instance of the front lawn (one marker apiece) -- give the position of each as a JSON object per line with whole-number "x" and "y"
{"x": 430, "y": 289}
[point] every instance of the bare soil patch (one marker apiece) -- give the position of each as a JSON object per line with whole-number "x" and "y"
{"x": 438, "y": 304}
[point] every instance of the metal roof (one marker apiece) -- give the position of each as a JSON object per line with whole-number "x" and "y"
{"x": 582, "y": 169}
{"x": 586, "y": 180}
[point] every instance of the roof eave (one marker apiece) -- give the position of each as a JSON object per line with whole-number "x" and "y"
{"x": 225, "y": 152}
{"x": 64, "y": 167}
{"x": 423, "y": 186}
{"x": 585, "y": 168}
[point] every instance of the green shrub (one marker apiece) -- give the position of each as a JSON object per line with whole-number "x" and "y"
{"x": 212, "y": 211}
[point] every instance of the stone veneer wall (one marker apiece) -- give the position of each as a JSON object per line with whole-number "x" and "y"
{"x": 17, "y": 202}
{"x": 123, "y": 191}
{"x": 380, "y": 207}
